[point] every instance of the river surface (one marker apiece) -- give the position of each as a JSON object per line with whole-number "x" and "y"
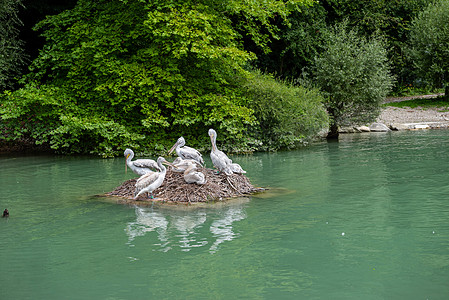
{"x": 363, "y": 218}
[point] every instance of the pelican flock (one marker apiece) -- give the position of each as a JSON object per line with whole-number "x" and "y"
{"x": 140, "y": 166}
{"x": 150, "y": 181}
{"x": 152, "y": 173}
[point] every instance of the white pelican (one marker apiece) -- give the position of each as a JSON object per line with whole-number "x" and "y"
{"x": 192, "y": 176}
{"x": 221, "y": 160}
{"x": 180, "y": 165}
{"x": 186, "y": 152}
{"x": 150, "y": 181}
{"x": 140, "y": 166}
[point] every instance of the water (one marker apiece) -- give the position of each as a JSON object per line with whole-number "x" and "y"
{"x": 364, "y": 218}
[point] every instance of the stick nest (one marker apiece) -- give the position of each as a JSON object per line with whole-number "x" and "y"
{"x": 174, "y": 188}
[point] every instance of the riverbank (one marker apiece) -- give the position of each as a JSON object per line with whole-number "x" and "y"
{"x": 395, "y": 118}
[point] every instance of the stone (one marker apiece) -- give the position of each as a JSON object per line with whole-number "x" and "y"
{"x": 396, "y": 126}
{"x": 363, "y": 129}
{"x": 422, "y": 126}
{"x": 379, "y": 127}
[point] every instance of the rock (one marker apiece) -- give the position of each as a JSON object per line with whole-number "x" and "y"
{"x": 397, "y": 126}
{"x": 346, "y": 130}
{"x": 379, "y": 127}
{"x": 363, "y": 129}
{"x": 422, "y": 126}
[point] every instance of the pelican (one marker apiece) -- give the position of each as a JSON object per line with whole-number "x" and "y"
{"x": 186, "y": 152}
{"x": 180, "y": 165}
{"x": 192, "y": 176}
{"x": 150, "y": 181}
{"x": 140, "y": 166}
{"x": 221, "y": 160}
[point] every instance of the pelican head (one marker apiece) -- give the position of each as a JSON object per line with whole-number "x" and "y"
{"x": 180, "y": 142}
{"x": 128, "y": 153}
{"x": 213, "y": 137}
{"x": 161, "y": 160}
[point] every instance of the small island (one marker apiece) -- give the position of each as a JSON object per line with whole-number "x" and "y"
{"x": 175, "y": 189}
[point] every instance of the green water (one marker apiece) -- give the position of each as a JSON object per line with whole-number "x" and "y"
{"x": 365, "y": 218}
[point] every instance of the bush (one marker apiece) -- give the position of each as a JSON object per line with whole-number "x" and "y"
{"x": 287, "y": 115}
{"x": 354, "y": 74}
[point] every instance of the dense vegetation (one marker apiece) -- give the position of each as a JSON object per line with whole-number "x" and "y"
{"x": 429, "y": 44}
{"x": 139, "y": 73}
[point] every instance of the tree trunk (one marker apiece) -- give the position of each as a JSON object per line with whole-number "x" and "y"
{"x": 333, "y": 131}
{"x": 446, "y": 92}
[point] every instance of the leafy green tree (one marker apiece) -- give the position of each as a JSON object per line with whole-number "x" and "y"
{"x": 429, "y": 44}
{"x": 302, "y": 39}
{"x": 354, "y": 74}
{"x": 139, "y": 73}
{"x": 12, "y": 56}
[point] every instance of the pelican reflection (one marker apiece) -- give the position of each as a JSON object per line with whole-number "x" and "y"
{"x": 185, "y": 230}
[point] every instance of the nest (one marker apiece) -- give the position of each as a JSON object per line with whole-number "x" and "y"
{"x": 174, "y": 188}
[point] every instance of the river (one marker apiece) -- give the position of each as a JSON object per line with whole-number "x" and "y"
{"x": 363, "y": 218}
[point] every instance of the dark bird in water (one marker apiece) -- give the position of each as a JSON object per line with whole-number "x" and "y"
{"x": 5, "y": 213}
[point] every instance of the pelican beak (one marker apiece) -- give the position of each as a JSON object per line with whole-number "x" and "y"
{"x": 168, "y": 163}
{"x": 173, "y": 148}
{"x": 126, "y": 165}
{"x": 212, "y": 141}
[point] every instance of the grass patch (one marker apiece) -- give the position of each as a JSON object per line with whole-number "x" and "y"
{"x": 438, "y": 103}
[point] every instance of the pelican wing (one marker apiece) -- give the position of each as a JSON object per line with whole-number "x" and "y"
{"x": 191, "y": 153}
{"x": 146, "y": 163}
{"x": 221, "y": 161}
{"x": 236, "y": 168}
{"x": 194, "y": 177}
{"x": 183, "y": 164}
{"x": 146, "y": 180}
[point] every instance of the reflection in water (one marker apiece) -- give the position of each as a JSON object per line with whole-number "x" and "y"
{"x": 222, "y": 228}
{"x": 185, "y": 229}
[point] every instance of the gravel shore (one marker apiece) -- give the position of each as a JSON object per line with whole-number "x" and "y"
{"x": 408, "y": 118}
{"x": 395, "y": 115}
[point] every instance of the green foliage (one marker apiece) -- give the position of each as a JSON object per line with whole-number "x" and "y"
{"x": 136, "y": 73}
{"x": 429, "y": 43}
{"x": 303, "y": 39}
{"x": 12, "y": 56}
{"x": 437, "y": 102}
{"x": 287, "y": 115}
{"x": 354, "y": 74}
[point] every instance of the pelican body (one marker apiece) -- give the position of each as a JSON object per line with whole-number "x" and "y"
{"x": 180, "y": 165}
{"x": 140, "y": 166}
{"x": 191, "y": 175}
{"x": 186, "y": 152}
{"x": 220, "y": 160}
{"x": 150, "y": 181}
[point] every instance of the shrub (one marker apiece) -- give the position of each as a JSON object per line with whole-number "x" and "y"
{"x": 287, "y": 115}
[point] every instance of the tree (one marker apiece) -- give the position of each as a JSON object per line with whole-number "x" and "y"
{"x": 429, "y": 44}
{"x": 12, "y": 56}
{"x": 140, "y": 73}
{"x": 301, "y": 40}
{"x": 354, "y": 74}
